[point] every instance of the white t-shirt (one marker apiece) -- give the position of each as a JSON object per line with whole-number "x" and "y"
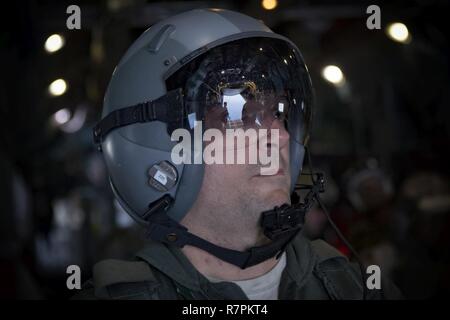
{"x": 264, "y": 287}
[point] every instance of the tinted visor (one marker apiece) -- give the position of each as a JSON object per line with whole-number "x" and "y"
{"x": 248, "y": 83}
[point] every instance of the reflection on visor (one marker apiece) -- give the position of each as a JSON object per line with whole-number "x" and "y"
{"x": 248, "y": 84}
{"x": 245, "y": 107}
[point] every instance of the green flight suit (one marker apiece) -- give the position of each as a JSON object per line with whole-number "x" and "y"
{"x": 314, "y": 270}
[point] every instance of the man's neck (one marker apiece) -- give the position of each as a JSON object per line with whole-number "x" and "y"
{"x": 213, "y": 267}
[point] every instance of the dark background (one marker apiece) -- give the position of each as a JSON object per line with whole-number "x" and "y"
{"x": 383, "y": 144}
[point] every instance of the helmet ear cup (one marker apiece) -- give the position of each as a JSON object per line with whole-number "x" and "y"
{"x": 128, "y": 164}
{"x": 189, "y": 187}
{"x": 162, "y": 176}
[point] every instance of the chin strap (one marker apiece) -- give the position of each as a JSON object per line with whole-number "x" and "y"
{"x": 280, "y": 224}
{"x": 279, "y": 220}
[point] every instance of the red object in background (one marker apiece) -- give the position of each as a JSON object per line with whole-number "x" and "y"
{"x": 343, "y": 249}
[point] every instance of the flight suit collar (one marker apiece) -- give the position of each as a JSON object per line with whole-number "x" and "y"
{"x": 173, "y": 263}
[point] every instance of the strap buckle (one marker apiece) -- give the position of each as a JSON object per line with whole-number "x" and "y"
{"x": 144, "y": 112}
{"x": 281, "y": 220}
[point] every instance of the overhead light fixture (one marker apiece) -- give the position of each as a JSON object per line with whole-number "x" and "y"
{"x": 54, "y": 43}
{"x": 333, "y": 74}
{"x": 269, "y": 4}
{"x": 398, "y": 32}
{"x": 62, "y": 116}
{"x": 76, "y": 121}
{"x": 57, "y": 87}
{"x": 69, "y": 121}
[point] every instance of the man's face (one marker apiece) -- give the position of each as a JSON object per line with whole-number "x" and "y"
{"x": 244, "y": 188}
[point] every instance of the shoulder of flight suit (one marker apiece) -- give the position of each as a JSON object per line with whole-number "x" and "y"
{"x": 119, "y": 279}
{"x": 336, "y": 273}
{"x": 325, "y": 251}
{"x": 343, "y": 278}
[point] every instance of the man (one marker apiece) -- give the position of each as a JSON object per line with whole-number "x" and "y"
{"x": 223, "y": 227}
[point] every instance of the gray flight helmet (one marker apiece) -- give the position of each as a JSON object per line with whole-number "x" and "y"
{"x": 131, "y": 151}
